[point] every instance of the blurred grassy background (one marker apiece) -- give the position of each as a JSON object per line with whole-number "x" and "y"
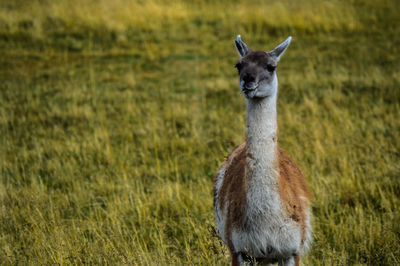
{"x": 115, "y": 115}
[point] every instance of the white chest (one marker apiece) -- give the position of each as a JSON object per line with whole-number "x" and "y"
{"x": 266, "y": 232}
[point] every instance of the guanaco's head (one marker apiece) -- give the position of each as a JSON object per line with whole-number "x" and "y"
{"x": 257, "y": 77}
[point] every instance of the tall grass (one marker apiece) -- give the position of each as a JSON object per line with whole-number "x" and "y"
{"x": 114, "y": 117}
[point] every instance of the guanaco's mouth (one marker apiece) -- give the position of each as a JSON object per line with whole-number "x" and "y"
{"x": 247, "y": 90}
{"x": 250, "y": 93}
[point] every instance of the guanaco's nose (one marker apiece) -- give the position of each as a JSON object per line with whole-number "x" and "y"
{"x": 248, "y": 78}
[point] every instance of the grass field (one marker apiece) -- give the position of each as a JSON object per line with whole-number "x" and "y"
{"x": 115, "y": 115}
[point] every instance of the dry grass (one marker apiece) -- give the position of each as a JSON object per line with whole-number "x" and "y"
{"x": 114, "y": 116}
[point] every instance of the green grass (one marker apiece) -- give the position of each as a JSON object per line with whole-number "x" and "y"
{"x": 115, "y": 115}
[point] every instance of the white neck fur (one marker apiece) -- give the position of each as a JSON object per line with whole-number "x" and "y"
{"x": 261, "y": 134}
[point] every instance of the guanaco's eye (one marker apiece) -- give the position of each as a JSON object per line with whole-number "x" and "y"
{"x": 270, "y": 68}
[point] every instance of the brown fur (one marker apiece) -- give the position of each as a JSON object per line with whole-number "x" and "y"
{"x": 297, "y": 260}
{"x": 235, "y": 259}
{"x": 234, "y": 188}
{"x": 292, "y": 188}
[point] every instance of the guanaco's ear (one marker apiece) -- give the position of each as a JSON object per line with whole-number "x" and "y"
{"x": 280, "y": 49}
{"x": 241, "y": 47}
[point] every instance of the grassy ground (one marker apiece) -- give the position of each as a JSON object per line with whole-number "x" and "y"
{"x": 114, "y": 117}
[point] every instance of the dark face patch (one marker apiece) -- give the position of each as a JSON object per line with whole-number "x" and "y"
{"x": 256, "y": 71}
{"x": 259, "y": 57}
{"x": 256, "y": 59}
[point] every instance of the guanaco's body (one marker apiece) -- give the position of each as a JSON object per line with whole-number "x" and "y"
{"x": 260, "y": 196}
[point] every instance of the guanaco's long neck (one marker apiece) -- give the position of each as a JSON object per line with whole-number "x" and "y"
{"x": 261, "y": 139}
